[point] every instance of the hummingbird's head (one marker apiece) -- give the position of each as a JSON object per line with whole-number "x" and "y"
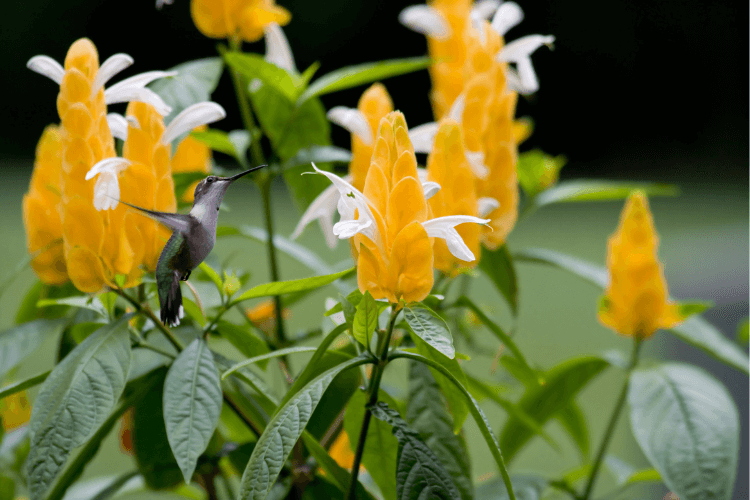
{"x": 210, "y": 191}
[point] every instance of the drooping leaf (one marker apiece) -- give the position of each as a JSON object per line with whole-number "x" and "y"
{"x": 284, "y": 429}
{"x": 498, "y": 266}
{"x": 244, "y": 340}
{"x": 419, "y": 472}
{"x": 597, "y": 190}
{"x": 282, "y": 287}
{"x": 365, "y": 320}
{"x": 192, "y": 404}
{"x": 687, "y": 425}
{"x": 318, "y": 154}
{"x": 694, "y": 330}
{"x": 20, "y": 341}
{"x": 525, "y": 487}
{"x": 573, "y": 421}
{"x": 75, "y": 400}
{"x": 353, "y": 76}
{"x": 263, "y": 358}
{"x": 562, "y": 384}
{"x": 426, "y": 413}
{"x": 252, "y": 66}
{"x": 431, "y": 328}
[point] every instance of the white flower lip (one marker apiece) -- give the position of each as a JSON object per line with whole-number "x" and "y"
{"x": 476, "y": 160}
{"x": 445, "y": 227}
{"x": 484, "y": 9}
{"x": 193, "y": 116}
{"x": 278, "y": 51}
{"x": 109, "y": 68}
{"x": 523, "y": 47}
{"x": 118, "y": 125}
{"x": 46, "y": 66}
{"x": 322, "y": 209}
{"x": 508, "y": 15}
{"x": 425, "y": 20}
{"x": 352, "y": 120}
{"x": 134, "y": 89}
{"x": 107, "y": 187}
{"x": 486, "y": 205}
{"x": 423, "y": 137}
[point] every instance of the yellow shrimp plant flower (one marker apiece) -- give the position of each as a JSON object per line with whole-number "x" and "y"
{"x": 391, "y": 223}
{"x": 242, "y": 19}
{"x": 636, "y": 302}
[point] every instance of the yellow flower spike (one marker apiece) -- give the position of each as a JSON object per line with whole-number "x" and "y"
{"x": 41, "y": 210}
{"x": 237, "y": 18}
{"x": 636, "y": 302}
{"x": 341, "y": 451}
{"x": 448, "y": 166}
{"x": 263, "y": 315}
{"x": 192, "y": 155}
{"x": 374, "y": 105}
{"x": 15, "y": 411}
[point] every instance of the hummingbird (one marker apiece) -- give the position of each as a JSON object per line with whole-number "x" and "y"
{"x": 193, "y": 238}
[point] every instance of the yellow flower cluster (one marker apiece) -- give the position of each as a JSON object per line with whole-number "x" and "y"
{"x": 636, "y": 302}
{"x": 15, "y": 411}
{"x": 374, "y": 105}
{"x": 240, "y": 19}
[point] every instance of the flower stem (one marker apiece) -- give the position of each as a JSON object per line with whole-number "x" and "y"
{"x": 613, "y": 419}
{"x": 244, "y": 105}
{"x": 377, "y": 375}
{"x": 266, "y": 196}
{"x": 150, "y": 315}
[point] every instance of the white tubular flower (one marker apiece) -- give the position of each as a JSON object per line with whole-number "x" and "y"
{"x": 322, "y": 210}
{"x": 486, "y": 206}
{"x": 46, "y": 66}
{"x": 423, "y": 137}
{"x": 201, "y": 113}
{"x": 107, "y": 187}
{"x": 278, "y": 51}
{"x": 519, "y": 52}
{"x": 118, "y": 125}
{"x": 425, "y": 20}
{"x": 352, "y": 120}
{"x": 445, "y": 227}
{"x": 508, "y": 15}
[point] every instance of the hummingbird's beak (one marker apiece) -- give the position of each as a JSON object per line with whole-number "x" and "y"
{"x": 235, "y": 177}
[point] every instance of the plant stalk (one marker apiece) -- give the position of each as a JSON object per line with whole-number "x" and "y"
{"x": 266, "y": 196}
{"x": 244, "y": 105}
{"x": 613, "y": 419}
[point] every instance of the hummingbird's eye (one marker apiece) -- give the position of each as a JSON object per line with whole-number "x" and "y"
{"x": 210, "y": 179}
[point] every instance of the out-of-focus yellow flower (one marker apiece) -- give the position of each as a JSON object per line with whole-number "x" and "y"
{"x": 636, "y": 302}
{"x": 125, "y": 433}
{"x": 263, "y": 315}
{"x": 448, "y": 166}
{"x": 192, "y": 155}
{"x": 390, "y": 220}
{"x": 244, "y": 19}
{"x": 341, "y": 451}
{"x": 41, "y": 210}
{"x": 15, "y": 410}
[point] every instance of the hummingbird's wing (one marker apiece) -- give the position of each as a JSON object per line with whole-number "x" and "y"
{"x": 176, "y": 222}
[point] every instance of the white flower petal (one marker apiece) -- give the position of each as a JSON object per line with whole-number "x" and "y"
{"x": 484, "y": 9}
{"x": 523, "y": 47}
{"x": 476, "y": 160}
{"x": 137, "y": 94}
{"x": 352, "y": 120}
{"x": 337, "y": 318}
{"x": 326, "y": 225}
{"x": 118, "y": 125}
{"x": 162, "y": 3}
{"x": 444, "y": 227}
{"x": 508, "y": 15}
{"x": 529, "y": 81}
{"x": 346, "y": 229}
{"x": 456, "y": 113}
{"x": 109, "y": 68}
{"x": 513, "y": 81}
{"x": 112, "y": 165}
{"x": 193, "y": 116}
{"x": 277, "y": 48}
{"x": 45, "y": 65}
{"x": 430, "y": 189}
{"x": 423, "y": 137}
{"x": 425, "y": 20}
{"x": 486, "y": 205}
{"x": 140, "y": 80}
{"x": 133, "y": 121}
{"x": 322, "y": 209}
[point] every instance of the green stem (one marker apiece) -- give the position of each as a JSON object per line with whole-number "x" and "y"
{"x": 377, "y": 375}
{"x": 146, "y": 345}
{"x": 24, "y": 384}
{"x": 244, "y": 105}
{"x": 150, "y": 315}
{"x": 613, "y": 419}
{"x": 266, "y": 195}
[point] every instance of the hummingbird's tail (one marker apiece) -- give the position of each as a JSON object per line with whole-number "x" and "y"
{"x": 170, "y": 299}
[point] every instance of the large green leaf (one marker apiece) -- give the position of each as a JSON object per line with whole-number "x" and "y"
{"x": 542, "y": 402}
{"x": 353, "y": 76}
{"x": 687, "y": 425}
{"x": 365, "y": 319}
{"x": 525, "y": 486}
{"x": 419, "y": 473}
{"x": 252, "y": 66}
{"x": 75, "y": 400}
{"x": 381, "y": 446}
{"x": 498, "y": 266}
{"x": 694, "y": 330}
{"x": 20, "y": 341}
{"x": 427, "y": 414}
{"x": 281, "y": 287}
{"x": 573, "y": 421}
{"x": 431, "y": 328}
{"x": 597, "y": 190}
{"x": 283, "y": 431}
{"x": 192, "y": 404}
{"x": 82, "y": 301}
{"x": 195, "y": 82}
{"x": 234, "y": 143}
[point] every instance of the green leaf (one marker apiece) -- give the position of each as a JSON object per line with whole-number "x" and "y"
{"x": 498, "y": 266}
{"x": 252, "y": 66}
{"x": 694, "y": 330}
{"x": 597, "y": 190}
{"x": 234, "y": 143}
{"x": 81, "y": 331}
{"x": 20, "y": 341}
{"x": 183, "y": 180}
{"x": 690, "y": 308}
{"x": 427, "y": 414}
{"x": 338, "y": 475}
{"x": 11, "y": 389}
{"x": 525, "y": 487}
{"x": 562, "y": 384}
{"x": 573, "y": 421}
{"x": 743, "y": 332}
{"x": 318, "y": 154}
{"x": 28, "y": 310}
{"x": 83, "y": 302}
{"x": 195, "y": 82}
{"x": 282, "y": 287}
{"x": 538, "y": 171}
{"x": 213, "y": 276}
{"x": 431, "y": 328}
{"x": 419, "y": 473}
{"x": 353, "y": 76}
{"x": 687, "y": 425}
{"x": 263, "y": 358}
{"x": 192, "y": 404}
{"x": 244, "y": 340}
{"x": 365, "y": 320}
{"x": 284, "y": 429}
{"x": 75, "y": 400}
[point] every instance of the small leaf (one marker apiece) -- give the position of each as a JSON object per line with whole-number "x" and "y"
{"x": 743, "y": 332}
{"x": 538, "y": 171}
{"x": 20, "y": 341}
{"x": 596, "y": 190}
{"x": 212, "y": 275}
{"x": 234, "y": 144}
{"x": 431, "y": 328}
{"x": 525, "y": 487}
{"x": 83, "y": 302}
{"x": 284, "y": 429}
{"x": 365, "y": 320}
{"x": 252, "y": 66}
{"x": 498, "y": 266}
{"x": 192, "y": 404}
{"x": 419, "y": 473}
{"x": 687, "y": 425}
{"x": 353, "y": 76}
{"x": 318, "y": 154}
{"x": 690, "y": 308}
{"x": 282, "y": 287}
{"x": 75, "y": 400}
{"x": 562, "y": 384}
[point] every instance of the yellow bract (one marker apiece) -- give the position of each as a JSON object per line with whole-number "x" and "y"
{"x": 263, "y": 315}
{"x": 399, "y": 265}
{"x": 374, "y": 104}
{"x": 341, "y": 451}
{"x": 15, "y": 410}
{"x": 41, "y": 210}
{"x": 448, "y": 166}
{"x": 636, "y": 303}
{"x": 243, "y": 19}
{"x": 192, "y": 156}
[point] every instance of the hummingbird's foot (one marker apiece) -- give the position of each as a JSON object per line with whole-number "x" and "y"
{"x": 186, "y": 276}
